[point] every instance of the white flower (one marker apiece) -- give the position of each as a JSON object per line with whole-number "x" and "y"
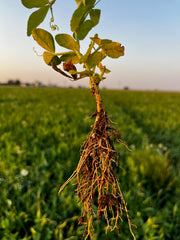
{"x": 24, "y": 172}
{"x": 18, "y": 150}
{"x": 160, "y": 145}
{"x": 23, "y": 122}
{"x": 165, "y": 148}
{"x": 9, "y": 202}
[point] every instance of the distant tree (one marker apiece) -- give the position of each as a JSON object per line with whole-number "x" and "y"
{"x": 10, "y": 82}
{"x": 17, "y": 82}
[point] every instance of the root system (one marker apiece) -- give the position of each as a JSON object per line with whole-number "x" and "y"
{"x": 97, "y": 185}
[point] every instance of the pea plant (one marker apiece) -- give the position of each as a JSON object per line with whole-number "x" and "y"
{"x": 97, "y": 184}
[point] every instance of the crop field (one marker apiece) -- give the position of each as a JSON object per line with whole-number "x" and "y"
{"x": 41, "y": 132}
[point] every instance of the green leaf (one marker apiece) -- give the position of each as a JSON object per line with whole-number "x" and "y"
{"x": 34, "y": 3}
{"x": 77, "y": 17}
{"x": 67, "y": 57}
{"x": 84, "y": 28}
{"x": 113, "y": 50}
{"x": 107, "y": 71}
{"x": 80, "y": 14}
{"x": 94, "y": 58}
{"x": 36, "y": 18}
{"x": 66, "y": 41}
{"x": 89, "y": 2}
{"x": 51, "y": 59}
{"x": 73, "y": 72}
{"x": 44, "y": 39}
{"x": 95, "y": 16}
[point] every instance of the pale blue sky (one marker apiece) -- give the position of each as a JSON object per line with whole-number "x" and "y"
{"x": 149, "y": 30}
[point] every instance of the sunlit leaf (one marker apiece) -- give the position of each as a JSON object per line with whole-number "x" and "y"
{"x": 36, "y": 18}
{"x": 107, "y": 71}
{"x": 102, "y": 68}
{"x": 110, "y": 48}
{"x": 105, "y": 41}
{"x": 78, "y": 1}
{"x": 96, "y": 40}
{"x": 66, "y": 41}
{"x": 94, "y": 58}
{"x": 99, "y": 41}
{"x": 44, "y": 39}
{"x": 113, "y": 50}
{"x": 67, "y": 57}
{"x": 50, "y": 58}
{"x": 72, "y": 71}
{"x": 34, "y": 3}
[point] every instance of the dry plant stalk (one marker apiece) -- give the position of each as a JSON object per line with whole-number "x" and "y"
{"x": 97, "y": 184}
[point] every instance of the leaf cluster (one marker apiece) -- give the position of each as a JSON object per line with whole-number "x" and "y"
{"x": 84, "y": 18}
{"x": 38, "y": 16}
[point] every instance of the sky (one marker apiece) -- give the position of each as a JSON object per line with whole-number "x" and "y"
{"x": 149, "y": 30}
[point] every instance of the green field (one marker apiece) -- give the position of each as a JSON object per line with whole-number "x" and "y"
{"x": 41, "y": 131}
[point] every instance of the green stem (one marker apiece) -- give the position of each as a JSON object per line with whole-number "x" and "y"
{"x": 97, "y": 50}
{"x": 89, "y": 51}
{"x": 92, "y": 85}
{"x": 78, "y": 54}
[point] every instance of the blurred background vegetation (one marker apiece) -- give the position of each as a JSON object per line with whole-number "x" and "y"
{"x": 41, "y": 131}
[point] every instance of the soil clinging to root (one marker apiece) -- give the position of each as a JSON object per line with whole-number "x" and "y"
{"x": 97, "y": 185}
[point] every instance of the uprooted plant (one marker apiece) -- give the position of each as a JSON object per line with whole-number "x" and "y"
{"x": 97, "y": 183}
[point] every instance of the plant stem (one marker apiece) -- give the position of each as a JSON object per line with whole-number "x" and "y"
{"x": 99, "y": 103}
{"x": 96, "y": 87}
{"x": 98, "y": 100}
